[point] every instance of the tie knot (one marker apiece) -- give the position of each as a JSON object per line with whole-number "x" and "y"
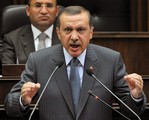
{"x": 42, "y": 37}
{"x": 74, "y": 62}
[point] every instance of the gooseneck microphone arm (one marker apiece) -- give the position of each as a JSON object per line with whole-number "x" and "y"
{"x": 58, "y": 66}
{"x": 97, "y": 98}
{"x": 89, "y": 72}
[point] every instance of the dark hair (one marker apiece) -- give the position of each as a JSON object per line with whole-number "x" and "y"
{"x": 74, "y": 10}
{"x": 28, "y": 2}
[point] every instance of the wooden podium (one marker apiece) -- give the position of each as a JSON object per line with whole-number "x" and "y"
{"x": 12, "y": 69}
{"x": 10, "y": 76}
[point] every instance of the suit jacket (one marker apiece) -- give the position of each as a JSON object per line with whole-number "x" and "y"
{"x": 56, "y": 102}
{"x": 19, "y": 43}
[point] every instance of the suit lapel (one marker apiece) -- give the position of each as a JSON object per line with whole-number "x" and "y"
{"x": 27, "y": 40}
{"x": 88, "y": 81}
{"x": 62, "y": 80}
{"x": 55, "y": 39}
{"x": 64, "y": 86}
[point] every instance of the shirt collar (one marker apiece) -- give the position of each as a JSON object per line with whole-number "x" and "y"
{"x": 68, "y": 57}
{"x": 36, "y": 31}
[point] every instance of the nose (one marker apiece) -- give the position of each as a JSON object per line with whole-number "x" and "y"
{"x": 44, "y": 9}
{"x": 74, "y": 36}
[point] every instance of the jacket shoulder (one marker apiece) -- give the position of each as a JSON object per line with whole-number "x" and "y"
{"x": 19, "y": 30}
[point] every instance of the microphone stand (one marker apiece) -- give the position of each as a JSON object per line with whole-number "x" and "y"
{"x": 42, "y": 92}
{"x": 115, "y": 96}
{"x": 97, "y": 98}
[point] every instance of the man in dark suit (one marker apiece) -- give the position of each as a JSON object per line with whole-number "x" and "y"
{"x": 19, "y": 43}
{"x": 74, "y": 29}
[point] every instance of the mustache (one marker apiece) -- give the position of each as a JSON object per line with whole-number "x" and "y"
{"x": 74, "y": 42}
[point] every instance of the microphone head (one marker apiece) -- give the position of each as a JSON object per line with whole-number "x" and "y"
{"x": 60, "y": 63}
{"x": 89, "y": 72}
{"x": 90, "y": 92}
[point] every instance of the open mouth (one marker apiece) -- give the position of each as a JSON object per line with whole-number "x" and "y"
{"x": 74, "y": 46}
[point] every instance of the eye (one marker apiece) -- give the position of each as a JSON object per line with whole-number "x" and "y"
{"x": 67, "y": 30}
{"x": 49, "y": 5}
{"x": 37, "y": 5}
{"x": 81, "y": 30}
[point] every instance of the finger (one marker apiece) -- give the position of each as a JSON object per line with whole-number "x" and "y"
{"x": 30, "y": 85}
{"x": 26, "y": 87}
{"x": 134, "y": 77}
{"x": 134, "y": 81}
{"x": 37, "y": 85}
{"x": 29, "y": 88}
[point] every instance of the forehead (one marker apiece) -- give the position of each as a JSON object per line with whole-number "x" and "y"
{"x": 43, "y": 1}
{"x": 74, "y": 19}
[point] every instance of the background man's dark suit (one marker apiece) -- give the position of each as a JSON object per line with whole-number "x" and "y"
{"x": 56, "y": 103}
{"x": 20, "y": 42}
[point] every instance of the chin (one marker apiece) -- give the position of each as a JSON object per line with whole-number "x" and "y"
{"x": 75, "y": 54}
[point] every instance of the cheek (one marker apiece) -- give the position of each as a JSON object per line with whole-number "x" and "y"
{"x": 64, "y": 38}
{"x": 34, "y": 19}
{"x": 52, "y": 14}
{"x": 33, "y": 15}
{"x": 85, "y": 41}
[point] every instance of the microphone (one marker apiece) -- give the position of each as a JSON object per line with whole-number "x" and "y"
{"x": 59, "y": 64}
{"x": 97, "y": 98}
{"x": 90, "y": 72}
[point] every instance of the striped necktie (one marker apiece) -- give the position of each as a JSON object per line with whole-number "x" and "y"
{"x": 75, "y": 82}
{"x": 41, "y": 43}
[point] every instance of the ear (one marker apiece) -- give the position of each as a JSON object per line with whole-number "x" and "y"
{"x": 92, "y": 31}
{"x": 27, "y": 10}
{"x": 57, "y": 10}
{"x": 58, "y": 32}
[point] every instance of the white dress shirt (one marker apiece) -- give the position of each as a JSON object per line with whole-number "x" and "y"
{"x": 36, "y": 33}
{"x": 81, "y": 58}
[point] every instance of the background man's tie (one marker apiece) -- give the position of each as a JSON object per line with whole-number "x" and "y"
{"x": 75, "y": 82}
{"x": 41, "y": 43}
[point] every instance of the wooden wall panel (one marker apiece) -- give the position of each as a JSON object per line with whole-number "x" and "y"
{"x": 134, "y": 48}
{"x": 139, "y": 15}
